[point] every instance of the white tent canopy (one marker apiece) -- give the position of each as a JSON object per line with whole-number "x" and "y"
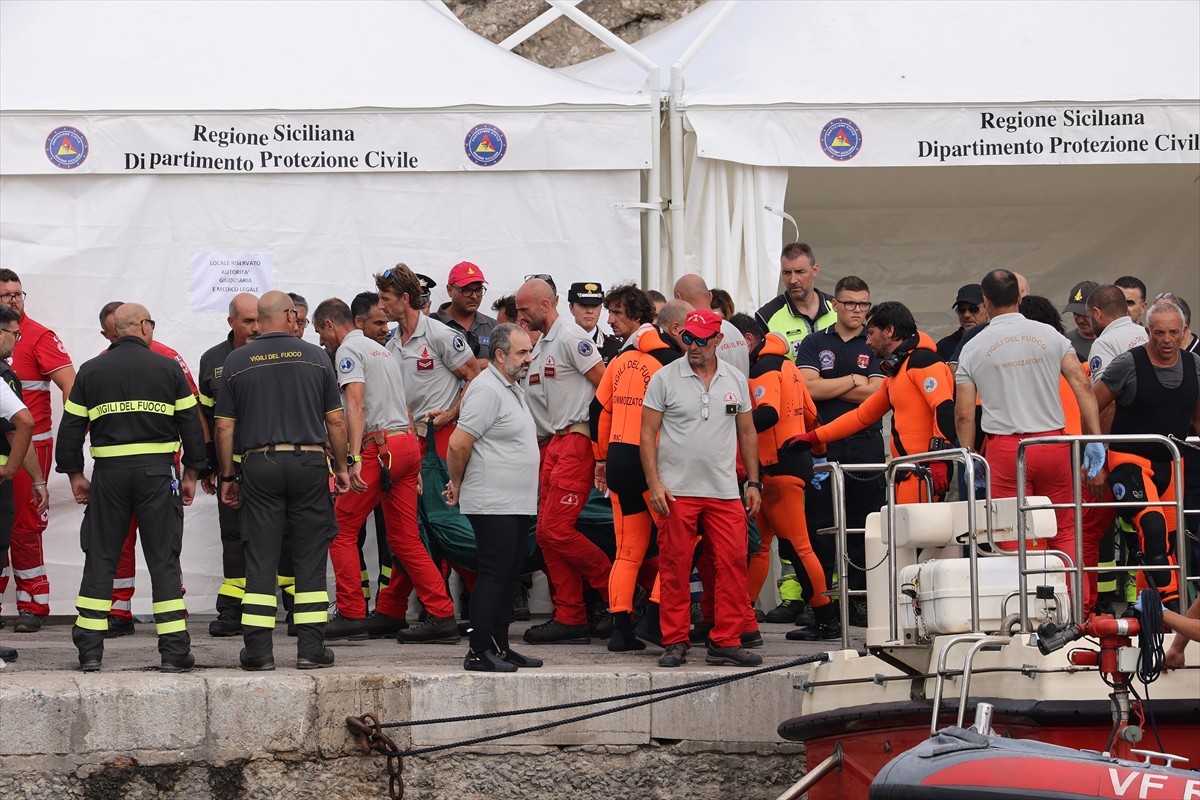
{"x": 144, "y": 144}
{"x": 1061, "y": 139}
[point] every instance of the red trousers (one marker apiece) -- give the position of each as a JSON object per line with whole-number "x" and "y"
{"x": 571, "y": 558}
{"x": 25, "y": 551}
{"x": 725, "y": 543}
{"x": 1048, "y": 473}
{"x": 401, "y": 456}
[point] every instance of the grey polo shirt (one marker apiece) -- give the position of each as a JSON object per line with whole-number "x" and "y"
{"x": 559, "y": 393}
{"x": 1119, "y": 336}
{"x": 365, "y": 361}
{"x": 1015, "y": 364}
{"x": 427, "y": 361}
{"x": 501, "y": 473}
{"x": 697, "y": 457}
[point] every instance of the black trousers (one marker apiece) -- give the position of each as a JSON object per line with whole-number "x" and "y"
{"x": 233, "y": 563}
{"x": 8, "y": 513}
{"x": 151, "y": 493}
{"x": 281, "y": 492}
{"x": 864, "y": 495}
{"x": 501, "y": 541}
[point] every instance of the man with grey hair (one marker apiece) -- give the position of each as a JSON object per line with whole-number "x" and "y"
{"x": 1156, "y": 390}
{"x": 490, "y": 456}
{"x": 670, "y": 320}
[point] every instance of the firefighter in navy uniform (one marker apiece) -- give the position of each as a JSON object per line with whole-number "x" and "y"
{"x": 137, "y": 407}
{"x": 243, "y": 325}
{"x": 282, "y": 395}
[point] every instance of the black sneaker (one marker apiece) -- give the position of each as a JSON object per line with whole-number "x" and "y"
{"x": 732, "y": 657}
{"x": 27, "y": 622}
{"x": 622, "y": 641}
{"x": 785, "y": 612}
{"x": 554, "y": 632}
{"x": 7, "y": 654}
{"x": 520, "y": 604}
{"x": 434, "y": 630}
{"x": 806, "y": 617}
{"x": 381, "y": 626}
{"x": 119, "y": 626}
{"x": 487, "y": 661}
{"x": 177, "y": 665}
{"x": 817, "y": 632}
{"x": 226, "y": 624}
{"x": 525, "y": 662}
{"x": 325, "y": 659}
{"x": 256, "y": 663}
{"x": 339, "y": 627}
{"x": 675, "y": 655}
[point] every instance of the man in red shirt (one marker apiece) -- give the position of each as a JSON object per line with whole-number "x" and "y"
{"x": 39, "y": 360}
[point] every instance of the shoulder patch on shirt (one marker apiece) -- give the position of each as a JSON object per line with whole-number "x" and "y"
{"x": 458, "y": 343}
{"x": 58, "y": 343}
{"x": 346, "y": 364}
{"x": 759, "y": 392}
{"x": 1094, "y": 363}
{"x": 585, "y": 349}
{"x": 929, "y": 385}
{"x": 826, "y": 358}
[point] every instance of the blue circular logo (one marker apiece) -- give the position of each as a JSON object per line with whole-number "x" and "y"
{"x": 66, "y": 147}
{"x": 1119, "y": 491}
{"x": 1095, "y": 364}
{"x": 841, "y": 139}
{"x": 346, "y": 364}
{"x": 485, "y": 145}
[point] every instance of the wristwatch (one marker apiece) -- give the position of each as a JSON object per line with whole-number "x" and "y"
{"x": 754, "y": 485}
{"x": 353, "y": 459}
{"x": 234, "y": 478}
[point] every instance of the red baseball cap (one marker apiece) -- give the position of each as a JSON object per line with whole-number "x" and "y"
{"x": 702, "y": 323}
{"x": 464, "y": 273}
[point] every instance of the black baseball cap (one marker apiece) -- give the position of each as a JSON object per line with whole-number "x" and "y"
{"x": 1077, "y": 299}
{"x": 972, "y": 293}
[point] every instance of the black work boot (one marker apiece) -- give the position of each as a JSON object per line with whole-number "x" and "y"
{"x": 91, "y": 648}
{"x": 623, "y": 639}
{"x": 650, "y": 629}
{"x": 825, "y": 626}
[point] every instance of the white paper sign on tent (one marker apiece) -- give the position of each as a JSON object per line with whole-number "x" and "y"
{"x": 217, "y": 277}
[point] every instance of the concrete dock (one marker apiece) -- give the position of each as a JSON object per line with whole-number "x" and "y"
{"x": 220, "y": 733}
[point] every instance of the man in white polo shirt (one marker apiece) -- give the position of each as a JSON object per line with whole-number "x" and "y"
{"x": 385, "y": 462}
{"x": 561, "y": 384}
{"x": 1013, "y": 367}
{"x": 701, "y": 407}
{"x": 733, "y": 349}
{"x": 1118, "y": 334}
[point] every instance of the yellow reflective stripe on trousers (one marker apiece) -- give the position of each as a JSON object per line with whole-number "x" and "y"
{"x": 135, "y": 449}
{"x": 258, "y": 621}
{"x": 310, "y": 617}
{"x": 312, "y": 597}
{"x": 133, "y": 406}
{"x": 267, "y": 600}
{"x": 74, "y": 409}
{"x": 89, "y": 624}
{"x": 163, "y": 606}
{"x": 93, "y": 604}
{"x": 175, "y": 626}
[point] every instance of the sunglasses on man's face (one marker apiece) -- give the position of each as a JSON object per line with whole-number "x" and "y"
{"x": 963, "y": 308}
{"x": 689, "y": 340}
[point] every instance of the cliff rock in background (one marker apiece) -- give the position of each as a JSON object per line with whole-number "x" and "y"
{"x": 563, "y": 42}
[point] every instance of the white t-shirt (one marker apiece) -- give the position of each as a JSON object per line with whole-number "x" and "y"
{"x": 734, "y": 349}
{"x": 1015, "y": 364}
{"x": 1119, "y": 336}
{"x": 10, "y": 404}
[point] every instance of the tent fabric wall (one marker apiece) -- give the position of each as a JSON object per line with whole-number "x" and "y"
{"x": 562, "y": 201}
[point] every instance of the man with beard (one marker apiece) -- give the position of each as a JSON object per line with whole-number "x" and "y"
{"x": 968, "y": 305}
{"x": 801, "y": 308}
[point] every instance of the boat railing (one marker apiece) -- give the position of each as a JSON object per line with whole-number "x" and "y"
{"x": 1076, "y": 569}
{"x": 841, "y": 531}
{"x": 978, "y": 641}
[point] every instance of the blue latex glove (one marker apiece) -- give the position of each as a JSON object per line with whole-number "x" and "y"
{"x": 980, "y": 482}
{"x": 1093, "y": 458}
{"x": 819, "y": 478}
{"x": 1138, "y": 605}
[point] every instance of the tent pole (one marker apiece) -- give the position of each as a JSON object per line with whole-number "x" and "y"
{"x": 652, "y": 270}
{"x": 678, "y": 217}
